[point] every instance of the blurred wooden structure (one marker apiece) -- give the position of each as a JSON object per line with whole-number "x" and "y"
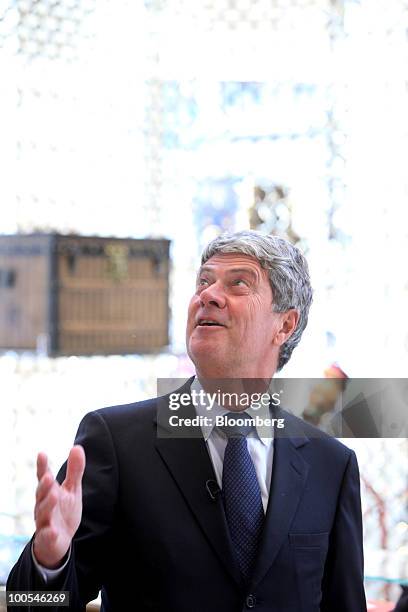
{"x": 83, "y": 295}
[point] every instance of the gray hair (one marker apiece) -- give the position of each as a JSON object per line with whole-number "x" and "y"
{"x": 287, "y": 270}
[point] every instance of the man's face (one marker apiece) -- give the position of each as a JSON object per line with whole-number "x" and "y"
{"x": 231, "y": 327}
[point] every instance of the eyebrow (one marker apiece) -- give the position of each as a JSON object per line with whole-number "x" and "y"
{"x": 230, "y": 271}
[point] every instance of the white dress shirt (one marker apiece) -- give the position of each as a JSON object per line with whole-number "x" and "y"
{"x": 260, "y": 443}
{"x": 260, "y": 447}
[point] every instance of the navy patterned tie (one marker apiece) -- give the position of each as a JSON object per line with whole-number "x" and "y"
{"x": 241, "y": 494}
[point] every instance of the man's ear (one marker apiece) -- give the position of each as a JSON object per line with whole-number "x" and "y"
{"x": 287, "y": 324}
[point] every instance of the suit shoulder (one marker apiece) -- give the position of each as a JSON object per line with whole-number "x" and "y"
{"x": 319, "y": 439}
{"x": 143, "y": 410}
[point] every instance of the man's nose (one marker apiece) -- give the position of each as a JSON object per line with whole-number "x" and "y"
{"x": 213, "y": 295}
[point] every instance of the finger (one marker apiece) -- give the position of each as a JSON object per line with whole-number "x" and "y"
{"x": 44, "y": 510}
{"x": 42, "y": 465}
{"x": 44, "y": 486}
{"x": 75, "y": 467}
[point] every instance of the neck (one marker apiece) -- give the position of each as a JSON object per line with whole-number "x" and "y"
{"x": 221, "y": 372}
{"x": 236, "y": 391}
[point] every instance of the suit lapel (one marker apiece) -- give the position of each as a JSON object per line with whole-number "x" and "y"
{"x": 289, "y": 476}
{"x": 189, "y": 463}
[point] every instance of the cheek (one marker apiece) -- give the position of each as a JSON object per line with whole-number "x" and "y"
{"x": 193, "y": 303}
{"x": 249, "y": 321}
{"x": 191, "y": 312}
{"x": 255, "y": 311}
{"x": 259, "y": 320}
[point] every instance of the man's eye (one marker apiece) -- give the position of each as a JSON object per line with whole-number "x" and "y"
{"x": 239, "y": 282}
{"x": 202, "y": 281}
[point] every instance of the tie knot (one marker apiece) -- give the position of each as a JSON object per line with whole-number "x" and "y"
{"x": 237, "y": 424}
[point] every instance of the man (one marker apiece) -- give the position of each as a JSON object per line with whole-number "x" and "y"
{"x": 226, "y": 521}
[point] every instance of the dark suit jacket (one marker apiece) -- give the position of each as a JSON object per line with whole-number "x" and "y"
{"x": 153, "y": 539}
{"x": 402, "y": 603}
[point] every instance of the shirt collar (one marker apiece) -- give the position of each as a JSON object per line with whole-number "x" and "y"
{"x": 265, "y": 434}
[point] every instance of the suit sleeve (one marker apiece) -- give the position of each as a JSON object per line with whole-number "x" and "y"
{"x": 343, "y": 581}
{"x": 402, "y": 603}
{"x": 85, "y": 572}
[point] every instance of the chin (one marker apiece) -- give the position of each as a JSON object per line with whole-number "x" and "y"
{"x": 207, "y": 360}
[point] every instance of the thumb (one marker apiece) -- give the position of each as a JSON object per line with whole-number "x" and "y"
{"x": 75, "y": 467}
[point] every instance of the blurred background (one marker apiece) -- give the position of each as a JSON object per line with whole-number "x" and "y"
{"x": 176, "y": 120}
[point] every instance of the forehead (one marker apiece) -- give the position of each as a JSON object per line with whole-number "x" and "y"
{"x": 225, "y": 262}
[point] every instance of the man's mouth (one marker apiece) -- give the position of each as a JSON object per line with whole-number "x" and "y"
{"x": 209, "y": 323}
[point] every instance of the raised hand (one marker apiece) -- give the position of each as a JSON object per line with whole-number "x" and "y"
{"x": 58, "y": 508}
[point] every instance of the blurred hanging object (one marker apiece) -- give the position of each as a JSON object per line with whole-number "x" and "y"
{"x": 325, "y": 396}
{"x": 335, "y": 371}
{"x": 271, "y": 212}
